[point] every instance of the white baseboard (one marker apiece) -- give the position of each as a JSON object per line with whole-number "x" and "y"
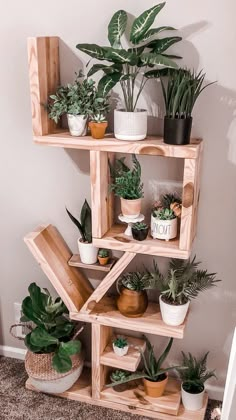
{"x": 13, "y": 352}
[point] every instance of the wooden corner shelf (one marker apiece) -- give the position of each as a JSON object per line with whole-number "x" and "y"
{"x": 75, "y": 261}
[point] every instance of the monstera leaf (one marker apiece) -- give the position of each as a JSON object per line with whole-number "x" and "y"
{"x": 117, "y": 27}
{"x": 142, "y": 23}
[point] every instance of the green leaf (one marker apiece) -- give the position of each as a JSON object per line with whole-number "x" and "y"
{"x": 107, "y": 82}
{"x": 160, "y": 45}
{"x": 30, "y": 346}
{"x": 28, "y": 311}
{"x": 164, "y": 354}
{"x": 158, "y": 60}
{"x": 156, "y": 31}
{"x": 120, "y": 56}
{"x": 142, "y": 23}
{"x": 61, "y": 362}
{"x": 97, "y": 67}
{"x": 93, "y": 50}
{"x": 71, "y": 347}
{"x": 63, "y": 330}
{"x": 86, "y": 221}
{"x": 117, "y": 27}
{"x": 40, "y": 337}
{"x": 77, "y": 223}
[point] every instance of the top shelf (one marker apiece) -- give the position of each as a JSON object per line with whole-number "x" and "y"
{"x": 153, "y": 146}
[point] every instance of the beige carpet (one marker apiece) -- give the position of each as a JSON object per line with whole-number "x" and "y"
{"x": 18, "y": 403}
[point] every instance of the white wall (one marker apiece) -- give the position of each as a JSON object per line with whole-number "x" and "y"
{"x": 37, "y": 182}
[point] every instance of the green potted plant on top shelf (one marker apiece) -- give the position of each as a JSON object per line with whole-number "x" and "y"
{"x": 140, "y": 231}
{"x": 193, "y": 377}
{"x": 103, "y": 256}
{"x": 131, "y": 67}
{"x": 88, "y": 252}
{"x": 164, "y": 217}
{"x": 127, "y": 184}
{"x": 98, "y": 122}
{"x": 180, "y": 93}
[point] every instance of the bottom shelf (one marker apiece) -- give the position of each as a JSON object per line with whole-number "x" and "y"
{"x": 82, "y": 391}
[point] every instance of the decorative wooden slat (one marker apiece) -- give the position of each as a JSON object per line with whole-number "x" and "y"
{"x": 75, "y": 261}
{"x": 43, "y": 59}
{"x": 51, "y": 252}
{"x": 100, "y": 337}
{"x": 107, "y": 282}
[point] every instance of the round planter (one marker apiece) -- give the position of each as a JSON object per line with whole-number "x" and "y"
{"x": 130, "y": 126}
{"x": 163, "y": 229}
{"x": 98, "y": 129}
{"x": 45, "y": 378}
{"x": 88, "y": 253}
{"x": 132, "y": 304}
{"x": 103, "y": 260}
{"x": 177, "y": 130}
{"x": 192, "y": 402}
{"x": 120, "y": 388}
{"x": 77, "y": 124}
{"x": 131, "y": 208}
{"x": 120, "y": 352}
{"x": 173, "y": 314}
{"x": 155, "y": 389}
{"x": 139, "y": 235}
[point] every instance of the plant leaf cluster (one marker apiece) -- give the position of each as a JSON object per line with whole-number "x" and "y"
{"x": 119, "y": 376}
{"x": 164, "y": 214}
{"x": 103, "y": 253}
{"x": 195, "y": 372}
{"x": 126, "y": 182}
{"x": 85, "y": 224}
{"x": 139, "y": 226}
{"x": 120, "y": 342}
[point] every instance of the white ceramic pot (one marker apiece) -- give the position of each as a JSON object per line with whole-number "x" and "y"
{"x": 163, "y": 229}
{"x": 120, "y": 352}
{"x": 130, "y": 125}
{"x": 77, "y": 125}
{"x": 173, "y": 314}
{"x": 88, "y": 253}
{"x": 192, "y": 402}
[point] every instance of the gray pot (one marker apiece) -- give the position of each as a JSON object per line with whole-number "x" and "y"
{"x": 130, "y": 126}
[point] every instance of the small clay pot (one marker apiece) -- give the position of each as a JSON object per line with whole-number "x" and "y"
{"x": 103, "y": 260}
{"x": 98, "y": 129}
{"x": 140, "y": 235}
{"x": 131, "y": 208}
{"x": 155, "y": 389}
{"x": 132, "y": 304}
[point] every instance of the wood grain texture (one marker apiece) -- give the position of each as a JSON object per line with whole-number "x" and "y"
{"x": 128, "y": 362}
{"x": 75, "y": 261}
{"x": 52, "y": 253}
{"x": 107, "y": 282}
{"x": 100, "y": 338}
{"x": 106, "y": 313}
{"x": 153, "y": 146}
{"x": 43, "y": 61}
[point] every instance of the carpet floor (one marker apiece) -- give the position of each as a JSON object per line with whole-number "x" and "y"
{"x": 17, "y": 403}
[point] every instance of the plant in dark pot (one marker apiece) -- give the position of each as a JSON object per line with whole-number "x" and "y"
{"x": 88, "y": 252}
{"x": 193, "y": 377}
{"x": 180, "y": 91}
{"x": 140, "y": 231}
{"x": 103, "y": 256}
{"x": 98, "y": 122}
{"x": 119, "y": 376}
{"x": 131, "y": 66}
{"x": 53, "y": 360}
{"x": 127, "y": 184}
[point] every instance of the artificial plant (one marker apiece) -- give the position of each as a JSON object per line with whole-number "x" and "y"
{"x": 126, "y": 182}
{"x": 85, "y": 224}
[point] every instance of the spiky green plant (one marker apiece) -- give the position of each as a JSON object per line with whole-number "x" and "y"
{"x": 120, "y": 342}
{"x": 85, "y": 224}
{"x": 164, "y": 214}
{"x": 139, "y": 226}
{"x": 195, "y": 373}
{"x": 168, "y": 199}
{"x": 126, "y": 182}
{"x": 103, "y": 253}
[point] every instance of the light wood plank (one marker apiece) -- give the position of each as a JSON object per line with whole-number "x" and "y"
{"x": 52, "y": 254}
{"x": 100, "y": 337}
{"x": 107, "y": 282}
{"x": 75, "y": 261}
{"x": 128, "y": 362}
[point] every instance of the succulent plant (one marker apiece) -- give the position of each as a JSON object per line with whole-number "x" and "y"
{"x": 103, "y": 253}
{"x": 119, "y": 375}
{"x": 120, "y": 342}
{"x": 164, "y": 214}
{"x": 139, "y": 226}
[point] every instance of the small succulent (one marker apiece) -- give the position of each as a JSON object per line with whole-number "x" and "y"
{"x": 99, "y": 118}
{"x": 139, "y": 226}
{"x": 119, "y": 375}
{"x": 164, "y": 214}
{"x": 120, "y": 342}
{"x": 103, "y": 253}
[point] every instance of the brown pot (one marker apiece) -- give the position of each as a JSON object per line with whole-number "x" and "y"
{"x": 120, "y": 388}
{"x": 98, "y": 129}
{"x": 155, "y": 389}
{"x": 131, "y": 208}
{"x": 103, "y": 260}
{"x": 132, "y": 304}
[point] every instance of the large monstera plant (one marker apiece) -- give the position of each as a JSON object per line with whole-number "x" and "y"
{"x": 53, "y": 331}
{"x": 145, "y": 58}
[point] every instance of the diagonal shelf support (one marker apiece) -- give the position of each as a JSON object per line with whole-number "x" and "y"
{"x": 107, "y": 282}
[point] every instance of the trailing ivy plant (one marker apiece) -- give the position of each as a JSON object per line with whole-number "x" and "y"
{"x": 126, "y": 182}
{"x": 144, "y": 58}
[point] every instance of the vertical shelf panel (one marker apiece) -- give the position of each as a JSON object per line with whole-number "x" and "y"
{"x": 101, "y": 336}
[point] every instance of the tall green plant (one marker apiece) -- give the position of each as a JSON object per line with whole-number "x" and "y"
{"x": 126, "y": 66}
{"x": 85, "y": 224}
{"x": 126, "y": 182}
{"x": 195, "y": 372}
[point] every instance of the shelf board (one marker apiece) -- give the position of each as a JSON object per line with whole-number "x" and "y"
{"x": 106, "y": 313}
{"x": 75, "y": 261}
{"x": 116, "y": 239}
{"x": 150, "y": 146}
{"x": 128, "y": 362}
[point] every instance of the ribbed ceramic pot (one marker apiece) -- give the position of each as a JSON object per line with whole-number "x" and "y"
{"x": 192, "y": 402}
{"x": 173, "y": 314}
{"x": 163, "y": 229}
{"x": 77, "y": 124}
{"x": 88, "y": 253}
{"x": 131, "y": 126}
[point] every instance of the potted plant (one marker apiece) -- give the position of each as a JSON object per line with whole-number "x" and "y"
{"x": 127, "y": 184}
{"x": 119, "y": 376}
{"x": 139, "y": 231}
{"x": 88, "y": 252}
{"x": 164, "y": 217}
{"x": 103, "y": 256}
{"x": 120, "y": 346}
{"x": 76, "y": 101}
{"x": 180, "y": 93}
{"x": 193, "y": 377}
{"x": 98, "y": 122}
{"x": 183, "y": 282}
{"x": 130, "y": 66}
{"x": 53, "y": 360}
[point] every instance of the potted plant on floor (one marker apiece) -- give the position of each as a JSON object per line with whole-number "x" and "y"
{"x": 88, "y": 252}
{"x": 130, "y": 66}
{"x": 98, "y": 122}
{"x": 193, "y": 377}
{"x": 103, "y": 256}
{"x": 53, "y": 360}
{"x": 120, "y": 346}
{"x": 164, "y": 215}
{"x": 180, "y": 93}
{"x": 127, "y": 184}
{"x": 183, "y": 282}
{"x": 140, "y": 231}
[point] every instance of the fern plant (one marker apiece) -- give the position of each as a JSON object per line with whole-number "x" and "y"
{"x": 85, "y": 224}
{"x": 195, "y": 373}
{"x": 126, "y": 182}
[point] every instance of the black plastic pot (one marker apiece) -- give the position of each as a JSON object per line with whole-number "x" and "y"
{"x": 140, "y": 235}
{"x": 177, "y": 130}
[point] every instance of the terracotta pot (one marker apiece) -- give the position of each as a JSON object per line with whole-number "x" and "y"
{"x": 131, "y": 208}
{"x": 155, "y": 389}
{"x": 103, "y": 260}
{"x": 132, "y": 304}
{"x": 98, "y": 129}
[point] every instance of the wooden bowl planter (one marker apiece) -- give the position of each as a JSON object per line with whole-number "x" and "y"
{"x": 155, "y": 389}
{"x": 173, "y": 314}
{"x": 132, "y": 304}
{"x": 98, "y": 129}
